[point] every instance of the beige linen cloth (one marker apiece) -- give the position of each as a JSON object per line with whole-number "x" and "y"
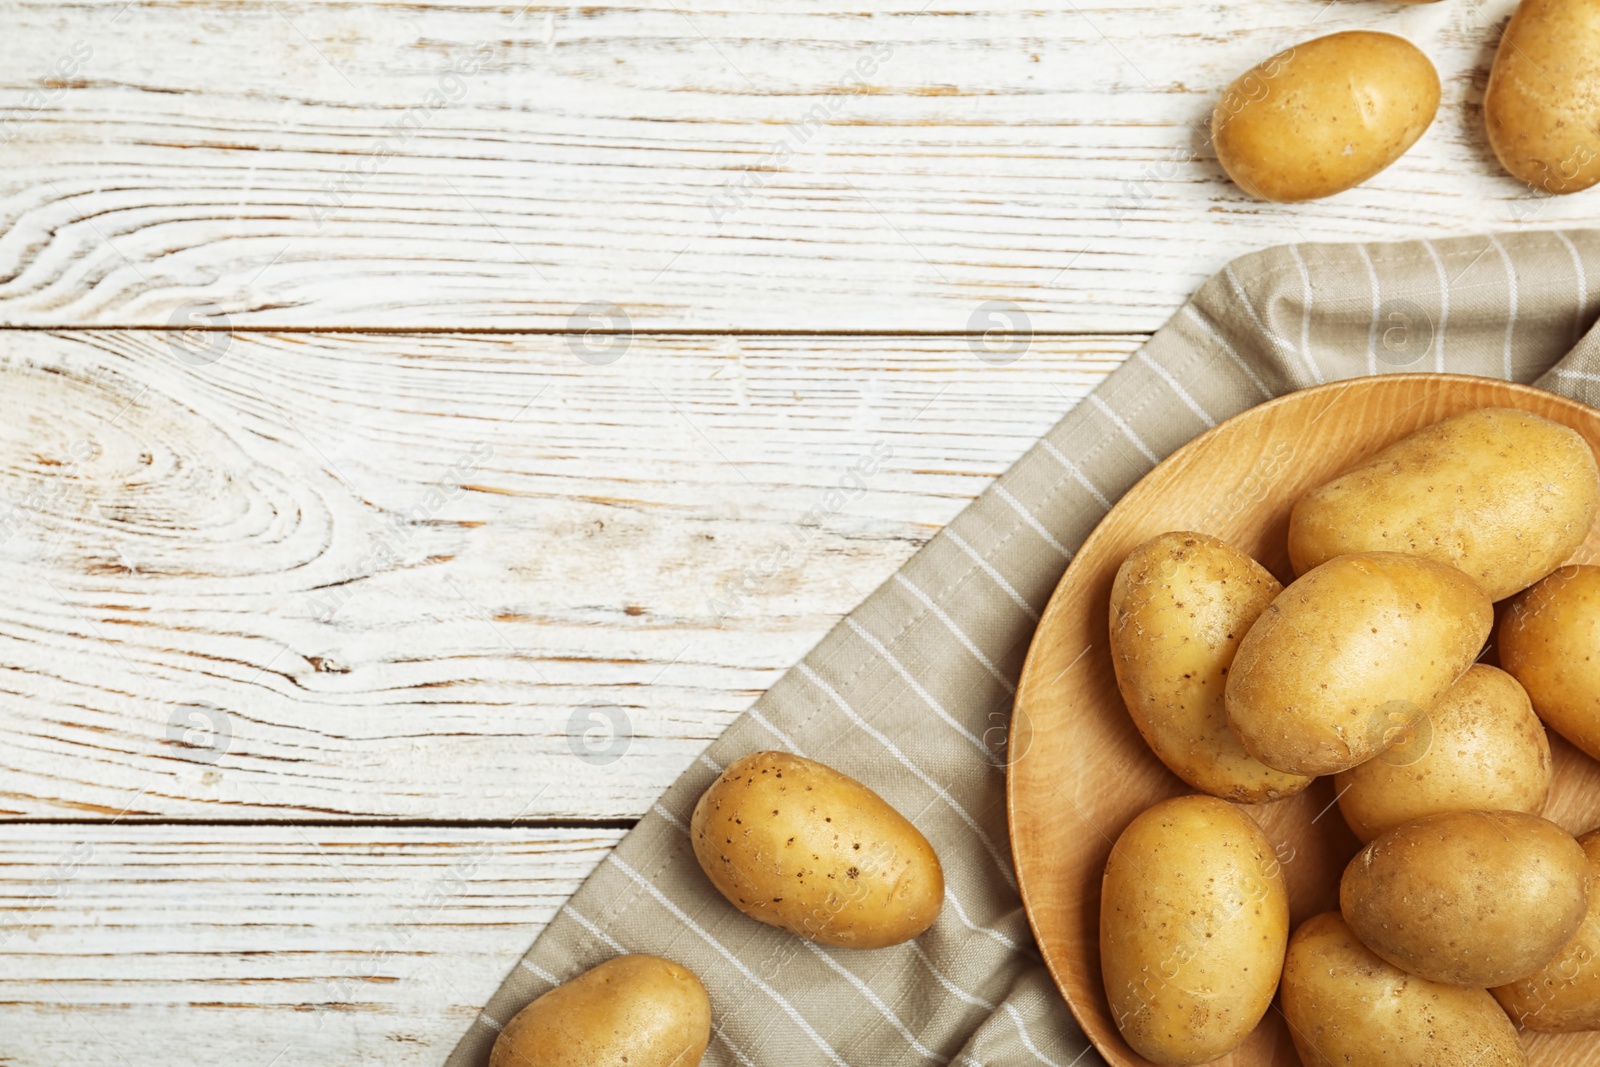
{"x": 911, "y": 693}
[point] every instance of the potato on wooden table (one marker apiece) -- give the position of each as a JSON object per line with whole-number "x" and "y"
{"x": 1324, "y": 116}
{"x": 1194, "y": 917}
{"x": 1480, "y": 747}
{"x": 1550, "y": 642}
{"x": 1348, "y": 1008}
{"x": 633, "y": 1011}
{"x": 1472, "y": 898}
{"x": 795, "y": 844}
{"x": 1503, "y": 495}
{"x": 1542, "y": 107}
{"x": 1351, "y": 655}
{"x": 1180, "y": 605}
{"x": 1564, "y": 994}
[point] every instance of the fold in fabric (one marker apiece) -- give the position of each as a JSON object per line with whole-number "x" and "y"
{"x": 911, "y": 693}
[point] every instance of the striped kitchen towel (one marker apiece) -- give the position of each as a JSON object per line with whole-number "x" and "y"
{"x": 912, "y": 692}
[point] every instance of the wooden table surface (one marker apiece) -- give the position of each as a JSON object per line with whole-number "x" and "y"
{"x": 428, "y": 426}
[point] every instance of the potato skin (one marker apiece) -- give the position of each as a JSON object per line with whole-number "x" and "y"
{"x": 1324, "y": 116}
{"x": 1550, "y": 642}
{"x": 1503, "y": 495}
{"x": 1542, "y": 107}
{"x": 1351, "y": 655}
{"x": 1180, "y": 605}
{"x": 1346, "y": 1006}
{"x": 1479, "y": 748}
{"x": 795, "y": 844}
{"x": 1473, "y": 898}
{"x": 1194, "y": 917}
{"x": 1563, "y": 996}
{"x": 632, "y": 1011}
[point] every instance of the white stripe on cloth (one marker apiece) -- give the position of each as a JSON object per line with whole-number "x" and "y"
{"x": 1032, "y": 520}
{"x": 1511, "y": 314}
{"x": 1228, "y": 349}
{"x": 1177, "y": 388}
{"x": 999, "y": 858}
{"x": 682, "y": 916}
{"x": 1377, "y": 308}
{"x": 594, "y": 931}
{"x": 1305, "y": 313}
{"x": 1119, "y": 423}
{"x": 1027, "y": 1042}
{"x": 988, "y": 568}
{"x": 672, "y": 820}
{"x": 1583, "y": 281}
{"x": 917, "y": 687}
{"x": 876, "y": 1001}
{"x": 1444, "y": 305}
{"x": 960, "y": 634}
{"x": 949, "y": 986}
{"x": 1580, "y": 375}
{"x": 788, "y": 742}
{"x": 1250, "y": 307}
{"x": 538, "y": 972}
{"x": 1073, "y": 469}
{"x": 961, "y": 913}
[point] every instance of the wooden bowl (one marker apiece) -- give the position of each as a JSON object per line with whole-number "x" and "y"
{"x": 1082, "y": 772}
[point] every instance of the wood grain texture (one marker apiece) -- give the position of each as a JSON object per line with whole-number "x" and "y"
{"x": 120, "y": 945}
{"x": 1083, "y": 777}
{"x": 453, "y": 577}
{"x": 796, "y": 166}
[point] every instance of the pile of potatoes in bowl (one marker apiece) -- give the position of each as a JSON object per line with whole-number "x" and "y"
{"x": 1466, "y": 915}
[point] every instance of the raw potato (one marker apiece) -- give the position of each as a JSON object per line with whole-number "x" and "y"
{"x": 633, "y": 1011}
{"x": 1324, "y": 116}
{"x": 1503, "y": 495}
{"x": 1348, "y": 1008}
{"x": 1564, "y": 995}
{"x": 1474, "y": 898}
{"x": 1542, "y": 107}
{"x": 1550, "y": 641}
{"x": 795, "y": 844}
{"x": 1180, "y": 605}
{"x": 1350, "y": 656}
{"x": 1479, "y": 748}
{"x": 1194, "y": 917}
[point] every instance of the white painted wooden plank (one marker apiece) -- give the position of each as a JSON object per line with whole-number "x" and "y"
{"x": 318, "y": 164}
{"x": 144, "y": 946}
{"x": 337, "y": 575}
